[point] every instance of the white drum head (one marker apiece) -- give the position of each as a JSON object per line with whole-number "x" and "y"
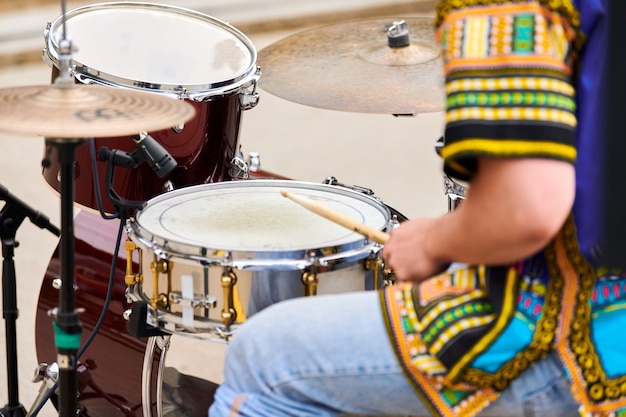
{"x": 154, "y": 46}
{"x": 253, "y": 218}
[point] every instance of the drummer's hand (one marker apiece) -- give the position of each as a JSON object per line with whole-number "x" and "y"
{"x": 406, "y": 251}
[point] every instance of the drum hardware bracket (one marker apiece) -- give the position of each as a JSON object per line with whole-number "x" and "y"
{"x": 138, "y": 321}
{"x": 177, "y": 298}
{"x": 149, "y": 151}
{"x": 124, "y": 159}
{"x": 48, "y": 375}
{"x": 455, "y": 192}
{"x": 249, "y": 100}
{"x": 333, "y": 181}
{"x": 239, "y": 169}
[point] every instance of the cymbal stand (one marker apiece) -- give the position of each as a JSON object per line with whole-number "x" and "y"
{"x": 66, "y": 323}
{"x": 11, "y": 217}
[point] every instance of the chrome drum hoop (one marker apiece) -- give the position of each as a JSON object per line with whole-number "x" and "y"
{"x": 99, "y": 60}
{"x": 157, "y": 231}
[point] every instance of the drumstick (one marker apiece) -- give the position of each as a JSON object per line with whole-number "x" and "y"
{"x": 339, "y": 218}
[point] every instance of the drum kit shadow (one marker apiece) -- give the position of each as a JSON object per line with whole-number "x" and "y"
{"x": 388, "y": 66}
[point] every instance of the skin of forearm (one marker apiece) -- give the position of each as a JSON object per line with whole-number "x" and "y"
{"x": 512, "y": 210}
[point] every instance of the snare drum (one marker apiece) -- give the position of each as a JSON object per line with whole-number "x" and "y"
{"x": 214, "y": 250}
{"x": 166, "y": 50}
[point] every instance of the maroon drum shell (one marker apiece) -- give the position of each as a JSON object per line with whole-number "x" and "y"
{"x": 203, "y": 151}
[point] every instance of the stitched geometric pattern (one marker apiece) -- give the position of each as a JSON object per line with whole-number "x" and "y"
{"x": 508, "y": 84}
{"x": 507, "y": 35}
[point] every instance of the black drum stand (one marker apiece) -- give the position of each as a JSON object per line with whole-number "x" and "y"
{"x": 11, "y": 217}
{"x": 67, "y": 326}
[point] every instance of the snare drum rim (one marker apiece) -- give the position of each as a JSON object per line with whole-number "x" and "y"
{"x": 197, "y": 92}
{"x": 326, "y": 257}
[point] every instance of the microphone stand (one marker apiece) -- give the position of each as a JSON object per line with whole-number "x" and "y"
{"x": 11, "y": 217}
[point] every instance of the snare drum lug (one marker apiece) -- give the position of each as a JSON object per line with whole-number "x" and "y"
{"x": 131, "y": 277}
{"x": 310, "y": 281}
{"x": 228, "y": 281}
{"x": 160, "y": 266}
{"x": 375, "y": 265}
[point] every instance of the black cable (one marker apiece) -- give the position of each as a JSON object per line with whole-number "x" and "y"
{"x": 96, "y": 182}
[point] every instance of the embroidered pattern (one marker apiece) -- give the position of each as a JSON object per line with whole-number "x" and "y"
{"x": 598, "y": 393}
{"x": 543, "y": 337}
{"x": 508, "y": 83}
{"x": 507, "y": 36}
{"x": 424, "y": 369}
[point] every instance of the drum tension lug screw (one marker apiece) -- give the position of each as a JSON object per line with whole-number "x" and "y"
{"x": 228, "y": 281}
{"x": 131, "y": 277}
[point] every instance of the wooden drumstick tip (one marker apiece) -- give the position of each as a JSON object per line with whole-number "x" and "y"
{"x": 339, "y": 218}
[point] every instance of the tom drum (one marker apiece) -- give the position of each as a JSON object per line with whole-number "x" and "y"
{"x": 166, "y": 50}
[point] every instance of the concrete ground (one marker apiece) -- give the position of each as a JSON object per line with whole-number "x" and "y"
{"x": 393, "y": 156}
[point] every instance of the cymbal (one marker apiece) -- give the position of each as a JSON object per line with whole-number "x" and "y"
{"x": 84, "y": 111}
{"x": 352, "y": 67}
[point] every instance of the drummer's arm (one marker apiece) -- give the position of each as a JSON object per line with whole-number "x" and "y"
{"x": 512, "y": 209}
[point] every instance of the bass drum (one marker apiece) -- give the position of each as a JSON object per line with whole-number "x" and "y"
{"x": 169, "y": 51}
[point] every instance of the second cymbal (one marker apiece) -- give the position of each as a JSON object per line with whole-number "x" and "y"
{"x": 352, "y": 67}
{"x": 84, "y": 111}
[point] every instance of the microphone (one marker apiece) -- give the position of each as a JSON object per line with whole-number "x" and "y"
{"x": 35, "y": 216}
{"x": 154, "y": 154}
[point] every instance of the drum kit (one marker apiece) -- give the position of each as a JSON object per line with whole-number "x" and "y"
{"x": 218, "y": 231}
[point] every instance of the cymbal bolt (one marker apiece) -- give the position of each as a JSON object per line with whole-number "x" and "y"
{"x": 398, "y": 35}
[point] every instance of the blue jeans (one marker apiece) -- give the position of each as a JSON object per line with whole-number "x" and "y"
{"x": 330, "y": 355}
